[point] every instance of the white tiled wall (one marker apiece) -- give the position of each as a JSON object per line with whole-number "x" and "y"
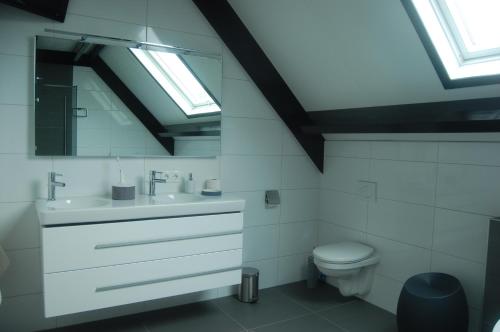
{"x": 258, "y": 154}
{"x": 430, "y": 212}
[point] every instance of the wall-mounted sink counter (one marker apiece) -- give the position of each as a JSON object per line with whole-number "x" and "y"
{"x": 99, "y": 253}
{"x": 97, "y": 209}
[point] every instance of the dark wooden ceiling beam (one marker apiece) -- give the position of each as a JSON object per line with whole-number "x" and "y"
{"x": 470, "y": 115}
{"x": 252, "y": 58}
{"x": 61, "y": 58}
{"x": 53, "y": 9}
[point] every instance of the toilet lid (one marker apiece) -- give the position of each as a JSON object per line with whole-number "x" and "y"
{"x": 343, "y": 252}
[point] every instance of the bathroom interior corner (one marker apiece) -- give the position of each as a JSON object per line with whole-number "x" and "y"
{"x": 151, "y": 151}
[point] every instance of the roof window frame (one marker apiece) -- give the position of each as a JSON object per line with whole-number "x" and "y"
{"x": 436, "y": 56}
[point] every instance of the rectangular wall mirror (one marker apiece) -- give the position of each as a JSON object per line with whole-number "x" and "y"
{"x": 95, "y": 99}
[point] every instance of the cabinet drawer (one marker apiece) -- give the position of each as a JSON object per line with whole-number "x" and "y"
{"x": 89, "y": 289}
{"x": 78, "y": 247}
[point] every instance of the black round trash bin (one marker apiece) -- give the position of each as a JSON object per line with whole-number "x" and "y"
{"x": 432, "y": 302}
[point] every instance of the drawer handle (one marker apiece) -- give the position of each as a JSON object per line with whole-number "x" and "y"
{"x": 156, "y": 281}
{"x": 168, "y": 239}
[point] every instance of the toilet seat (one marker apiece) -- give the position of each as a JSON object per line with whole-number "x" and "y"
{"x": 373, "y": 259}
{"x": 342, "y": 253}
{"x": 351, "y": 265}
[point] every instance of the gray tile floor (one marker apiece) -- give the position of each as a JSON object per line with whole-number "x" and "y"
{"x": 288, "y": 308}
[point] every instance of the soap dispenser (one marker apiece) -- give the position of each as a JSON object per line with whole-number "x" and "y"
{"x": 189, "y": 184}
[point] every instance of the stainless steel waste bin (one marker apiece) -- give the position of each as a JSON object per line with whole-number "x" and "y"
{"x": 249, "y": 287}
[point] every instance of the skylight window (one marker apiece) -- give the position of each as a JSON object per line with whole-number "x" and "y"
{"x": 475, "y": 25}
{"x": 178, "y": 82}
{"x": 465, "y": 34}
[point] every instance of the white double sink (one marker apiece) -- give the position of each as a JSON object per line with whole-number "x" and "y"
{"x": 100, "y": 209}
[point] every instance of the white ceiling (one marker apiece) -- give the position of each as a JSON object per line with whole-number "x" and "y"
{"x": 347, "y": 53}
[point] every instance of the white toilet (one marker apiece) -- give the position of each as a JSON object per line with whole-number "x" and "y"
{"x": 350, "y": 264}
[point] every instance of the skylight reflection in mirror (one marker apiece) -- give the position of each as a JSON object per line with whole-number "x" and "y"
{"x": 175, "y": 77}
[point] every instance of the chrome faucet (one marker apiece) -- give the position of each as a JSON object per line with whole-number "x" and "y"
{"x": 153, "y": 180}
{"x": 53, "y": 184}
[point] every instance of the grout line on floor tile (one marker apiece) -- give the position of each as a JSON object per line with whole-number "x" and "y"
{"x": 343, "y": 328}
{"x": 229, "y": 316}
{"x": 282, "y": 292}
{"x": 333, "y": 323}
{"x": 330, "y": 322}
{"x": 337, "y": 306}
{"x": 283, "y": 320}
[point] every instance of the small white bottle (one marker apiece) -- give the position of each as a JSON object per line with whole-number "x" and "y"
{"x": 189, "y": 184}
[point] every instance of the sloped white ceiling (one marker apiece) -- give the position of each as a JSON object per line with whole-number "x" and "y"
{"x": 337, "y": 54}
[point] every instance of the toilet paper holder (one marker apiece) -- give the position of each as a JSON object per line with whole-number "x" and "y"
{"x": 272, "y": 198}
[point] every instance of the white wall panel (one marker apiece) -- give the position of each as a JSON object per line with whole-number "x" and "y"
{"x": 431, "y": 211}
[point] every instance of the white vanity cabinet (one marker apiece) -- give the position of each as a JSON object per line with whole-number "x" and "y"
{"x": 98, "y": 265}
